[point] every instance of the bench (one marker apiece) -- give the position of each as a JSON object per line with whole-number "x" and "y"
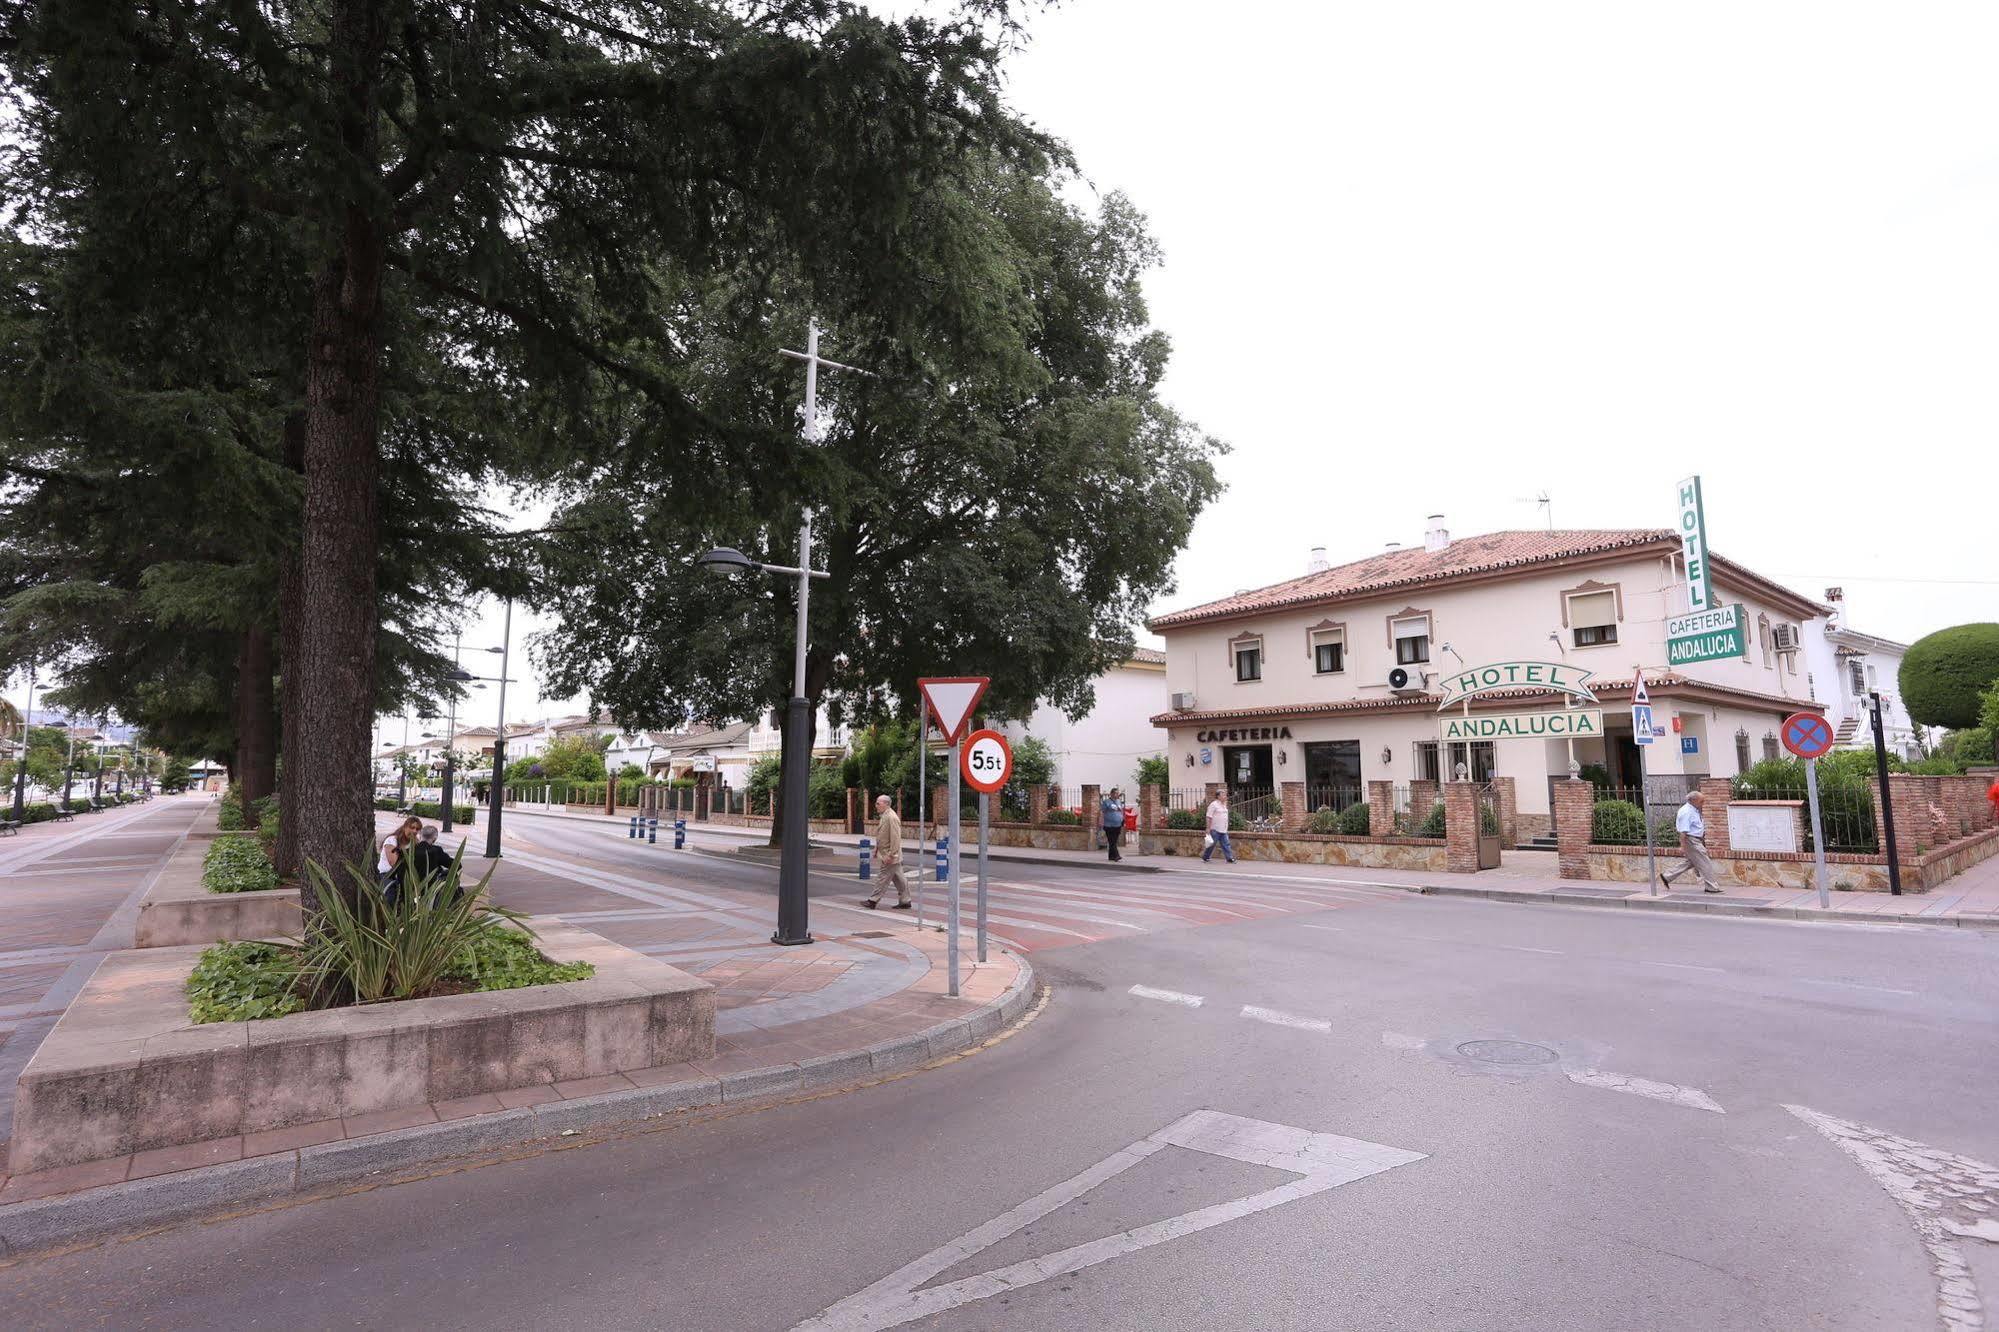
{"x": 64, "y": 815}
{"x": 8, "y": 827}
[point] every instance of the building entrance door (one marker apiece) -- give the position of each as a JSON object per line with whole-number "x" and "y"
{"x": 1248, "y": 771}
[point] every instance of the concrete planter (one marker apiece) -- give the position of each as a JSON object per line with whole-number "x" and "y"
{"x": 124, "y": 1070}
{"x": 177, "y": 910}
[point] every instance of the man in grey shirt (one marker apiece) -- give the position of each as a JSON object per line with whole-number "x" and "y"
{"x": 1693, "y": 845}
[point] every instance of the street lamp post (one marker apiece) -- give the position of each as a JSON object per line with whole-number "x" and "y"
{"x": 450, "y": 735}
{"x": 499, "y": 740}
{"x": 793, "y": 925}
{"x": 21, "y": 756}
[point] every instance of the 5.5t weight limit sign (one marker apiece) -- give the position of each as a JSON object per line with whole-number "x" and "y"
{"x": 988, "y": 761}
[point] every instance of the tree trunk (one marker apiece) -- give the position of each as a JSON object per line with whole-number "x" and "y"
{"x": 256, "y": 738}
{"x": 338, "y": 551}
{"x": 291, "y": 624}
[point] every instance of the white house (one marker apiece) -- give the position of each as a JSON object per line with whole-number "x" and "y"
{"x": 829, "y": 741}
{"x": 1846, "y": 666}
{"x": 1103, "y": 747}
{"x": 1343, "y": 676}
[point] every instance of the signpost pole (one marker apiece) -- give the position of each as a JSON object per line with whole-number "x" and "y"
{"x": 1641, "y": 736}
{"x": 1887, "y": 798}
{"x": 922, "y": 804}
{"x": 985, "y": 828}
{"x": 957, "y": 848}
{"x": 1818, "y": 830}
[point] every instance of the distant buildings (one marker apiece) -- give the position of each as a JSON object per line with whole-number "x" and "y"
{"x": 1846, "y": 666}
{"x": 1103, "y": 747}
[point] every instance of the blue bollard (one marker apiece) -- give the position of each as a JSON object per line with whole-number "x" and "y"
{"x": 652, "y": 832}
{"x": 635, "y": 827}
{"x": 680, "y": 834}
{"x": 943, "y": 859}
{"x": 867, "y": 858}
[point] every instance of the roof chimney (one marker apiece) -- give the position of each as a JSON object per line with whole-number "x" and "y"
{"x": 1434, "y": 535}
{"x": 1394, "y": 546}
{"x": 1318, "y": 563}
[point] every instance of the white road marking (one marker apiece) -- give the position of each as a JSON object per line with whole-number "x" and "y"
{"x": 1330, "y": 929}
{"x": 1395, "y": 1040}
{"x": 1323, "y": 1160}
{"x": 1691, "y": 1097}
{"x": 1854, "y": 985}
{"x": 1167, "y": 996}
{"x": 1929, "y": 1185}
{"x": 1680, "y": 966}
{"x": 1277, "y": 1018}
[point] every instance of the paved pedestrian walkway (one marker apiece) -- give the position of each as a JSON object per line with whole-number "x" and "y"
{"x": 859, "y": 999}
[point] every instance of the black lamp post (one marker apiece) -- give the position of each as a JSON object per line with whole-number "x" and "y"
{"x": 493, "y": 789}
{"x": 793, "y": 926}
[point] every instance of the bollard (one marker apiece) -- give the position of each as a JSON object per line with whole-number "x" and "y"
{"x": 652, "y": 832}
{"x": 680, "y": 834}
{"x": 943, "y": 859}
{"x": 635, "y": 827}
{"x": 867, "y": 853}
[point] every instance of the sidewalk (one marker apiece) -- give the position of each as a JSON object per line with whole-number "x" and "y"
{"x": 852, "y": 1007}
{"x": 1970, "y": 900}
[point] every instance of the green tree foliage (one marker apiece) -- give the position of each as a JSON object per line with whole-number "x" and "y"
{"x": 1944, "y": 674}
{"x": 1005, "y": 501}
{"x": 1152, "y": 771}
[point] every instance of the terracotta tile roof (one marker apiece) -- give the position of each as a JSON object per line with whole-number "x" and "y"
{"x": 1464, "y": 557}
{"x": 1149, "y": 656}
{"x": 1607, "y": 692}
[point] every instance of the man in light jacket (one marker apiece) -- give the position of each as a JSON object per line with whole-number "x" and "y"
{"x": 888, "y": 856}
{"x": 1693, "y": 845}
{"x": 1218, "y": 827}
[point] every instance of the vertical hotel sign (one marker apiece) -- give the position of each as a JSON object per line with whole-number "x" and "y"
{"x": 1693, "y": 546}
{"x": 1708, "y": 631}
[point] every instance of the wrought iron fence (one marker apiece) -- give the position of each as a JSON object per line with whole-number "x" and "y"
{"x": 1620, "y": 813}
{"x": 1415, "y": 818}
{"x": 1258, "y": 807}
{"x": 1337, "y": 797}
{"x": 1846, "y": 809}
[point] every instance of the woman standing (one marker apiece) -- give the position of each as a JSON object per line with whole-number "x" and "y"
{"x": 389, "y": 858}
{"x": 1113, "y": 821}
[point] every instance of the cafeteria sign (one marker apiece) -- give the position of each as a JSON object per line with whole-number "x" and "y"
{"x": 1516, "y": 675}
{"x": 1572, "y": 724}
{"x": 1707, "y": 635}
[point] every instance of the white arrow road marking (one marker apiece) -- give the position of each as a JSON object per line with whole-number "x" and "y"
{"x": 1166, "y": 996}
{"x": 1691, "y": 1097}
{"x": 1277, "y": 1018}
{"x": 1929, "y": 1185}
{"x": 1395, "y": 1040}
{"x": 1324, "y": 1160}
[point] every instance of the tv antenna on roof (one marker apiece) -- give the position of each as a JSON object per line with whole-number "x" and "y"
{"x": 1542, "y": 500}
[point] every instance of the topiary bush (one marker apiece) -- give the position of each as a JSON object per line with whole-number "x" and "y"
{"x": 237, "y": 865}
{"x": 1354, "y": 820}
{"x": 1617, "y": 823}
{"x": 1068, "y": 818}
{"x": 230, "y": 817}
{"x": 1323, "y": 822}
{"x": 1944, "y": 673}
{"x": 1188, "y": 820}
{"x": 1433, "y": 822}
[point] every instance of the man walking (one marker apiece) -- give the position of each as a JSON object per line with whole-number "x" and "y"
{"x": 1218, "y": 827}
{"x": 1693, "y": 845}
{"x": 888, "y": 856}
{"x": 1113, "y": 821}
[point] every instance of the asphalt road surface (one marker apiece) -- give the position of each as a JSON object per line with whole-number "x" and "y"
{"x": 1316, "y": 1108}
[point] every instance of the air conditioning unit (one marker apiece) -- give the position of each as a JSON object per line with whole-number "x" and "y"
{"x": 1183, "y": 702}
{"x": 1402, "y": 680}
{"x": 1785, "y": 636}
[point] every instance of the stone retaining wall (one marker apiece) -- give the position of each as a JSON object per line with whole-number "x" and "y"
{"x": 177, "y": 910}
{"x": 1776, "y": 869}
{"x": 124, "y": 1070}
{"x": 1414, "y": 853}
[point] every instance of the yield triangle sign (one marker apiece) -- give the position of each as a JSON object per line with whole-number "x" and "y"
{"x": 951, "y": 699}
{"x": 1638, "y": 694}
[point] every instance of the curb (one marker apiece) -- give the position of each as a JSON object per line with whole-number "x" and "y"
{"x": 111, "y": 1210}
{"x": 1559, "y": 898}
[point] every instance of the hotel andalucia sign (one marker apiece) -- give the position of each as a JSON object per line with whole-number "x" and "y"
{"x": 1505, "y": 675}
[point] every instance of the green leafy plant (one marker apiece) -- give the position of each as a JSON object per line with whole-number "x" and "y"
{"x": 237, "y": 865}
{"x": 1943, "y": 674}
{"x": 230, "y": 817}
{"x": 502, "y": 958}
{"x": 1154, "y": 771}
{"x": 234, "y": 982}
{"x": 375, "y": 949}
{"x": 1617, "y": 823}
{"x": 826, "y": 792}
{"x": 1433, "y": 822}
{"x": 1184, "y": 819}
{"x": 1596, "y": 775}
{"x": 1068, "y": 818}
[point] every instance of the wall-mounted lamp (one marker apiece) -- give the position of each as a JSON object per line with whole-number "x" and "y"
{"x": 1190, "y": 760}
{"x": 1283, "y": 756}
{"x": 1387, "y": 756}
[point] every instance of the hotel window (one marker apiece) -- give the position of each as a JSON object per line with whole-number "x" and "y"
{"x": 1593, "y": 616}
{"x": 1329, "y": 653}
{"x": 1412, "y": 641}
{"x": 1856, "y": 676}
{"x": 1249, "y": 662}
{"x": 1742, "y": 751}
{"x": 1426, "y": 762}
{"x": 1770, "y": 746}
{"x": 1478, "y": 757}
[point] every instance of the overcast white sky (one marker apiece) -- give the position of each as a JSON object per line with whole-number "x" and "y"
{"x": 1442, "y": 257}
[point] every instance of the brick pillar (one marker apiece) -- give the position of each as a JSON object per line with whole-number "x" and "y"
{"x": 1461, "y": 827}
{"x": 1880, "y": 819}
{"x": 1958, "y": 795}
{"x": 1574, "y": 814}
{"x": 1943, "y": 824}
{"x": 1508, "y": 800}
{"x": 704, "y": 803}
{"x": 1293, "y": 796}
{"x": 1037, "y": 804}
{"x": 1093, "y": 812}
{"x": 1422, "y": 799}
{"x": 853, "y": 809}
{"x": 1380, "y": 808}
{"x": 1714, "y": 813}
{"x": 1209, "y": 792}
{"x": 1911, "y": 814}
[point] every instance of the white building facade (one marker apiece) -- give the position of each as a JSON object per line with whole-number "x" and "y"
{"x": 1103, "y": 747}
{"x": 1846, "y": 667}
{"x": 1335, "y": 679}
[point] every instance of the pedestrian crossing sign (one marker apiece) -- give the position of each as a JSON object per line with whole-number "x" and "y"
{"x": 1641, "y": 723}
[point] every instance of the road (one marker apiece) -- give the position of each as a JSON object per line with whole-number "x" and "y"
{"x": 1676, "y": 1134}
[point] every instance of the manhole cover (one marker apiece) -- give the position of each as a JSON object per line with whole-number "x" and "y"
{"x": 870, "y": 934}
{"x": 1507, "y": 1052}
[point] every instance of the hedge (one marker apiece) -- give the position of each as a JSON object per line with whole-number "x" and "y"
{"x": 429, "y": 809}
{"x": 237, "y": 865}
